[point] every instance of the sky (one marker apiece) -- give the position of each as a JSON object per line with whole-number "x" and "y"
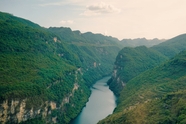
{"x": 149, "y": 19}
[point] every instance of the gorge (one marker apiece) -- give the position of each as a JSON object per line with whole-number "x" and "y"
{"x": 46, "y": 75}
{"x": 101, "y": 103}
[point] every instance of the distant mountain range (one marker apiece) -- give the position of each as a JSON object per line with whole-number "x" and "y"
{"x": 141, "y": 42}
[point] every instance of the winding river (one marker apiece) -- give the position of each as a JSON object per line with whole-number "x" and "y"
{"x": 101, "y": 103}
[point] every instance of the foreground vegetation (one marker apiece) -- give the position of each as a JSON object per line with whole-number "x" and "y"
{"x": 155, "y": 96}
{"x": 130, "y": 62}
{"x": 58, "y": 64}
{"x": 40, "y": 65}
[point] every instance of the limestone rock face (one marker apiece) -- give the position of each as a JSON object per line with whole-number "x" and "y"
{"x": 16, "y": 110}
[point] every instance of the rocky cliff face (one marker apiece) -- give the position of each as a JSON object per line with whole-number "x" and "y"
{"x": 16, "y": 110}
{"x": 116, "y": 83}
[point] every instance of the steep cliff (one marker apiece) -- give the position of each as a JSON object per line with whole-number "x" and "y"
{"x": 44, "y": 78}
{"x": 16, "y": 110}
{"x": 155, "y": 96}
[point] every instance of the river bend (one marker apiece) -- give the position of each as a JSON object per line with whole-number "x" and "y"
{"x": 101, "y": 103}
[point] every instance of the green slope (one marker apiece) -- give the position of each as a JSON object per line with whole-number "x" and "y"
{"x": 77, "y": 37}
{"x": 172, "y": 47}
{"x": 155, "y": 96}
{"x": 95, "y": 51}
{"x": 40, "y": 65}
{"x": 25, "y": 54}
{"x": 31, "y": 68}
{"x": 130, "y": 62}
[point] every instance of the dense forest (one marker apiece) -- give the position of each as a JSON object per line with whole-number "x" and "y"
{"x": 155, "y": 96}
{"x": 46, "y": 73}
{"x": 154, "y": 84}
{"x": 130, "y": 62}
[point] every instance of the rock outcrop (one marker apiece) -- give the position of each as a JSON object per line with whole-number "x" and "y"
{"x": 16, "y": 110}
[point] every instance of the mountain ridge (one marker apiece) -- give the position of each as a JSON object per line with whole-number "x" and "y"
{"x": 132, "y": 61}
{"x": 155, "y": 96}
{"x": 141, "y": 41}
{"x": 44, "y": 78}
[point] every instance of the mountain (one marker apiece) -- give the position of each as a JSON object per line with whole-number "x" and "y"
{"x": 45, "y": 74}
{"x": 173, "y": 46}
{"x": 95, "y": 51}
{"x": 77, "y": 37}
{"x": 155, "y": 96}
{"x": 140, "y": 42}
{"x": 150, "y": 83}
{"x": 130, "y": 62}
{"x": 35, "y": 80}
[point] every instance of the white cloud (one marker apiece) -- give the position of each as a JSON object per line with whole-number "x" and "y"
{"x": 66, "y": 22}
{"x": 98, "y": 9}
{"x": 89, "y": 13}
{"x": 103, "y": 8}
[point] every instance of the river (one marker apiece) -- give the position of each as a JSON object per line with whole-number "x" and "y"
{"x": 101, "y": 103}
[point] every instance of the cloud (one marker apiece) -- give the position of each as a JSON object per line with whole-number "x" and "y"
{"x": 103, "y": 8}
{"x": 89, "y": 13}
{"x": 66, "y": 22}
{"x": 98, "y": 9}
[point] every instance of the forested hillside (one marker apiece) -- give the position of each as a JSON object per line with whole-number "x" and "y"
{"x": 155, "y": 96}
{"x": 32, "y": 72}
{"x": 96, "y": 52}
{"x": 150, "y": 84}
{"x": 44, "y": 77}
{"x": 46, "y": 73}
{"x": 172, "y": 47}
{"x": 130, "y": 62}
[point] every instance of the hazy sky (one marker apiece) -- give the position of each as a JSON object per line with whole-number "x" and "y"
{"x": 117, "y": 18}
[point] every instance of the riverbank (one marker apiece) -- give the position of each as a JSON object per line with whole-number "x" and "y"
{"x": 101, "y": 103}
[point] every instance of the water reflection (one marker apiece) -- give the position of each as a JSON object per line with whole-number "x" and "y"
{"x": 101, "y": 103}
